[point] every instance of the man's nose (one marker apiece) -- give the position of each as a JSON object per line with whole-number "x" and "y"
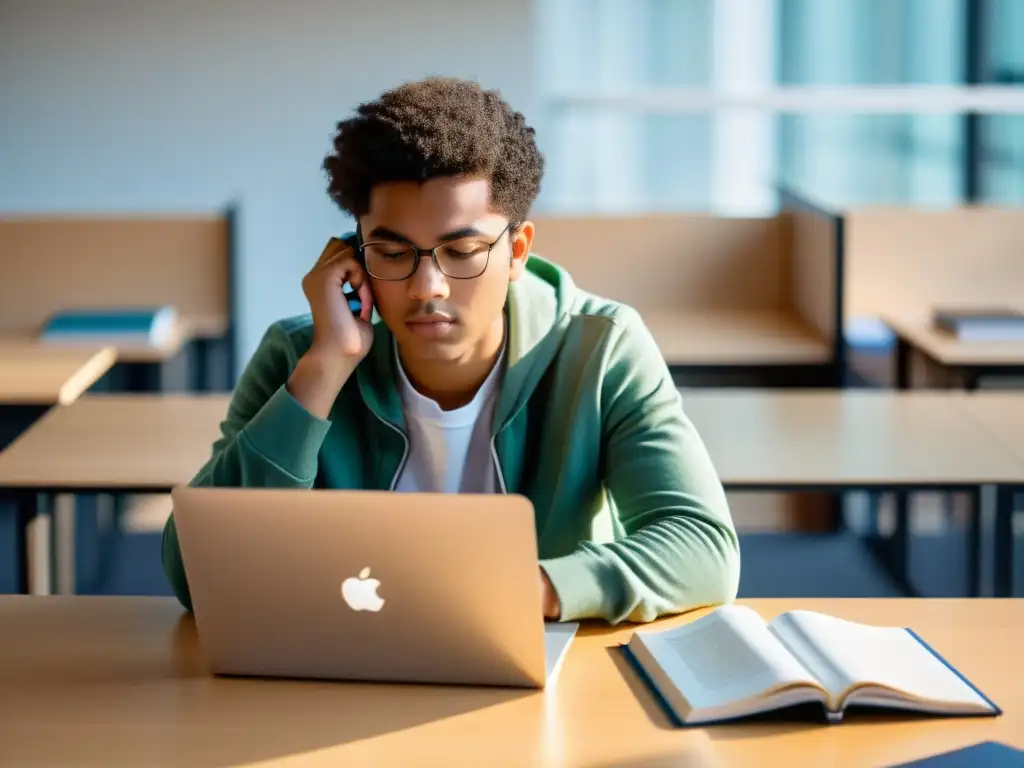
{"x": 427, "y": 281}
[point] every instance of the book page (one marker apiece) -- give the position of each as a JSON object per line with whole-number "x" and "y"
{"x": 833, "y": 678}
{"x": 725, "y": 657}
{"x": 884, "y": 656}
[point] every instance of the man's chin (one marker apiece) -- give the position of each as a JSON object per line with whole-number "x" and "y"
{"x": 416, "y": 348}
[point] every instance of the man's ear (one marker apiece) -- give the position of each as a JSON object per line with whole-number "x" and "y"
{"x": 522, "y": 243}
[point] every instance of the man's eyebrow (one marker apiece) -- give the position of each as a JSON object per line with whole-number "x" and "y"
{"x": 383, "y": 233}
{"x": 458, "y": 234}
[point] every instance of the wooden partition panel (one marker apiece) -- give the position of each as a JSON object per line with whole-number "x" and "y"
{"x": 816, "y": 275}
{"x": 901, "y": 263}
{"x": 52, "y": 263}
{"x": 672, "y": 262}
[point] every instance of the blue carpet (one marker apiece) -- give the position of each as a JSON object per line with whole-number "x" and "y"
{"x": 810, "y": 565}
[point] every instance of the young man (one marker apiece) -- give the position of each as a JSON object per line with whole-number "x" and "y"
{"x": 486, "y": 370}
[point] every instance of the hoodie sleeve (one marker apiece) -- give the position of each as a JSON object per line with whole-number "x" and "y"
{"x": 268, "y": 439}
{"x": 680, "y": 550}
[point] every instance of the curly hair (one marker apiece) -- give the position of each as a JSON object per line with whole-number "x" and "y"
{"x": 439, "y": 126}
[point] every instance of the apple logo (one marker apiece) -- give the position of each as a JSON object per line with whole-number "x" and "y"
{"x": 361, "y": 592}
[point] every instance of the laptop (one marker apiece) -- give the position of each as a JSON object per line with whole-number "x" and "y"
{"x": 368, "y": 585}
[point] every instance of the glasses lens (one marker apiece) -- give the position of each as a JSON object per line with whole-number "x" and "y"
{"x": 463, "y": 259}
{"x": 389, "y": 261}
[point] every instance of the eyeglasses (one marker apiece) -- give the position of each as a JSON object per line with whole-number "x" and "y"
{"x": 463, "y": 259}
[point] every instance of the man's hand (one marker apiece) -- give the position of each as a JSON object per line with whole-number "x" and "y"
{"x": 550, "y": 603}
{"x": 340, "y": 339}
{"x": 336, "y": 331}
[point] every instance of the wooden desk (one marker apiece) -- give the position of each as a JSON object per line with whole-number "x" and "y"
{"x": 120, "y": 682}
{"x": 1002, "y": 414}
{"x": 40, "y": 375}
{"x": 115, "y": 444}
{"x": 778, "y": 440}
{"x": 716, "y": 338}
{"x": 141, "y": 362}
{"x": 970, "y": 360}
{"x": 34, "y": 378}
{"x": 846, "y": 439}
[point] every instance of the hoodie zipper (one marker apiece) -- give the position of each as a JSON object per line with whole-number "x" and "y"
{"x": 405, "y": 448}
{"x": 405, "y": 455}
{"x": 497, "y": 464}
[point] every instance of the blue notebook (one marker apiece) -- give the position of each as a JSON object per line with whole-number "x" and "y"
{"x": 733, "y": 665}
{"x": 145, "y": 325}
{"x": 985, "y": 754}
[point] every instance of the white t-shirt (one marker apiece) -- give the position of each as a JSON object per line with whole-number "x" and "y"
{"x": 449, "y": 451}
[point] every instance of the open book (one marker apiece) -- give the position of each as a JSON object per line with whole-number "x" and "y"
{"x": 732, "y": 664}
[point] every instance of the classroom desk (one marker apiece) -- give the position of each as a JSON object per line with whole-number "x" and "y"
{"x": 33, "y": 379}
{"x": 119, "y": 681}
{"x": 736, "y": 338}
{"x": 39, "y": 376}
{"x": 970, "y": 360}
{"x": 139, "y": 365}
{"x": 773, "y": 348}
{"x": 117, "y": 444}
{"x": 771, "y": 440}
{"x": 1002, "y": 414}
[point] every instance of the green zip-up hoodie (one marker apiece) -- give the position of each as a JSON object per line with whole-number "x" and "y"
{"x": 632, "y": 520}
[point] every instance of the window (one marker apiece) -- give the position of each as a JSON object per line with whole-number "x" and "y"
{"x": 704, "y": 104}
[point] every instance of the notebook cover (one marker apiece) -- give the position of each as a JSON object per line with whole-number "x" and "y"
{"x": 652, "y": 687}
{"x": 139, "y": 321}
{"x": 990, "y": 754}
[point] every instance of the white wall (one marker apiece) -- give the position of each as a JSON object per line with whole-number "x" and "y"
{"x": 160, "y": 105}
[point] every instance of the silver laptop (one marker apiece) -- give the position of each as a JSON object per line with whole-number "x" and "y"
{"x": 367, "y": 585}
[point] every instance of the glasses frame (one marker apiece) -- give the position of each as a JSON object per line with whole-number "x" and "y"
{"x": 419, "y": 252}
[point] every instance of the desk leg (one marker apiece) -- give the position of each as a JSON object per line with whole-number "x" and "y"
{"x": 199, "y": 364}
{"x": 14, "y": 420}
{"x": 900, "y": 543}
{"x": 1003, "y": 586}
{"x": 27, "y": 506}
{"x": 902, "y": 363}
{"x": 892, "y": 553}
{"x": 63, "y": 510}
{"x": 973, "y": 538}
{"x": 970, "y": 378}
